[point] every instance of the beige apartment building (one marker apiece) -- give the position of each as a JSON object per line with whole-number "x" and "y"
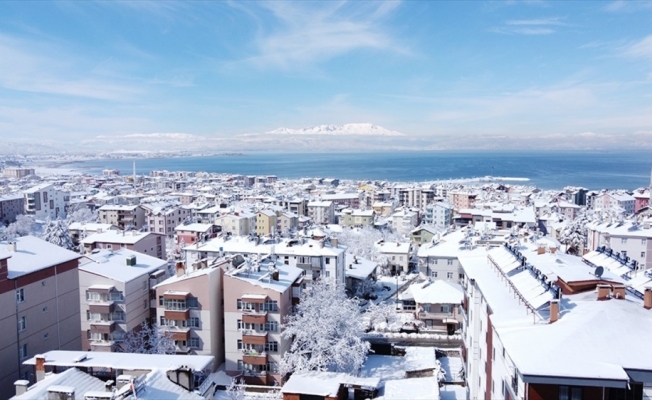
{"x": 17, "y": 173}
{"x": 357, "y": 217}
{"x": 265, "y": 222}
{"x": 149, "y": 243}
{"x": 189, "y": 306}
{"x": 238, "y": 223}
{"x": 115, "y": 295}
{"x": 163, "y": 217}
{"x": 39, "y": 294}
{"x": 122, "y": 216}
{"x": 257, "y": 299}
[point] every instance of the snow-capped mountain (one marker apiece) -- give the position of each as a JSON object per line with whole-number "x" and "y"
{"x": 346, "y": 129}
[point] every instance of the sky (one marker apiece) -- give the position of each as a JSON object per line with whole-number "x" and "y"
{"x": 562, "y": 71}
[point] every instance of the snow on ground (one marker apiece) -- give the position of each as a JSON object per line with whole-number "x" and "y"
{"x": 414, "y": 389}
{"x": 452, "y": 392}
{"x": 390, "y": 282}
{"x": 395, "y": 367}
{"x": 452, "y": 366}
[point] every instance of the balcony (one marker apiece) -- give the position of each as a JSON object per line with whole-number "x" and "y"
{"x": 178, "y": 333}
{"x": 254, "y": 337}
{"x": 254, "y": 317}
{"x": 253, "y": 377}
{"x": 177, "y": 315}
{"x": 252, "y": 357}
{"x": 103, "y": 327}
{"x": 102, "y": 308}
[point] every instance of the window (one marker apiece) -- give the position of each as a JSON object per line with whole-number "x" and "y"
{"x": 22, "y": 324}
{"x": 433, "y": 274}
{"x": 20, "y": 295}
{"x": 144, "y": 285}
{"x": 240, "y": 344}
{"x": 46, "y": 336}
{"x": 22, "y": 352}
{"x": 270, "y": 305}
{"x": 446, "y": 308}
{"x": 624, "y": 253}
{"x": 43, "y": 283}
{"x": 45, "y": 309}
{"x": 271, "y": 347}
{"x": 426, "y": 308}
{"x": 450, "y": 262}
{"x": 239, "y": 304}
{"x": 271, "y": 326}
{"x": 162, "y": 321}
{"x": 622, "y": 241}
{"x": 644, "y": 241}
{"x": 570, "y": 393}
{"x": 194, "y": 342}
{"x": 145, "y": 304}
{"x": 239, "y": 324}
{"x": 194, "y": 322}
{"x": 160, "y": 300}
{"x": 240, "y": 366}
{"x": 328, "y": 260}
{"x": 449, "y": 275}
{"x": 192, "y": 302}
{"x": 327, "y": 274}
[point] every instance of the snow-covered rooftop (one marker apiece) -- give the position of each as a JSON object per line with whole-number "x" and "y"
{"x": 261, "y": 275}
{"x": 113, "y": 264}
{"x": 33, "y": 254}
{"x": 120, "y": 237}
{"x": 126, "y": 361}
{"x": 437, "y": 292}
{"x": 358, "y": 267}
{"x": 413, "y": 389}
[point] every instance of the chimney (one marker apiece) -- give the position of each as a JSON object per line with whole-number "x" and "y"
{"x": 40, "y": 367}
{"x": 275, "y": 275}
{"x": 541, "y": 250}
{"x": 553, "y": 249}
{"x": 619, "y": 292}
{"x": 604, "y": 292}
{"x": 334, "y": 242}
{"x": 61, "y": 393}
{"x": 554, "y": 310}
{"x": 21, "y": 386}
{"x": 11, "y": 246}
{"x": 180, "y": 268}
{"x": 647, "y": 298}
{"x": 109, "y": 385}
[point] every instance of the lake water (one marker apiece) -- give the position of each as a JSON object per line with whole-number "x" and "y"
{"x": 624, "y": 170}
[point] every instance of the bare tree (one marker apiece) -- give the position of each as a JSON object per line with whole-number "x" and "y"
{"x": 149, "y": 339}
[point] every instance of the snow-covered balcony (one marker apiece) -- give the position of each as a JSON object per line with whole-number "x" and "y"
{"x": 250, "y": 336}
{"x": 254, "y": 357}
{"x": 254, "y": 316}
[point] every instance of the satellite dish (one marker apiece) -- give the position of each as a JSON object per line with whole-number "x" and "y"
{"x": 599, "y": 271}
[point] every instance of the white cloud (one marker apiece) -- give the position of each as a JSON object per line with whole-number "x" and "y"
{"x": 535, "y": 26}
{"x": 308, "y": 35}
{"x": 641, "y": 48}
{"x": 41, "y": 67}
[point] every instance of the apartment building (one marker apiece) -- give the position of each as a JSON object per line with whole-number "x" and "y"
{"x": 189, "y": 306}
{"x": 460, "y": 199}
{"x": 238, "y": 223}
{"x": 296, "y": 205}
{"x": 44, "y": 201}
{"x": 439, "y": 214}
{"x": 633, "y": 241}
{"x": 149, "y": 243}
{"x": 403, "y": 221}
{"x": 322, "y": 212}
{"x": 17, "y": 173}
{"x": 191, "y": 233}
{"x": 318, "y": 256}
{"x": 286, "y": 222}
{"x": 122, "y": 216}
{"x": 258, "y": 296}
{"x": 524, "y": 303}
{"x": 350, "y": 217}
{"x": 39, "y": 291}
{"x": 79, "y": 230}
{"x": 11, "y": 206}
{"x": 163, "y": 216}
{"x": 383, "y": 208}
{"x": 115, "y": 295}
{"x": 266, "y": 222}
{"x": 437, "y": 304}
{"x": 398, "y": 255}
{"x": 347, "y": 200}
{"x": 615, "y": 201}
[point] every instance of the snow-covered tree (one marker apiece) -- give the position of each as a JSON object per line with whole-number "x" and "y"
{"x": 149, "y": 340}
{"x": 574, "y": 235}
{"x": 365, "y": 289}
{"x": 83, "y": 216}
{"x": 24, "y": 225}
{"x": 384, "y": 318}
{"x": 326, "y": 331}
{"x": 56, "y": 232}
{"x": 237, "y": 391}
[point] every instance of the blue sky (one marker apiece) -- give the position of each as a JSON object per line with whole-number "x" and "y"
{"x": 75, "y": 70}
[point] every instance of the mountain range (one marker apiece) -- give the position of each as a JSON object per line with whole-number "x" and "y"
{"x": 338, "y": 130}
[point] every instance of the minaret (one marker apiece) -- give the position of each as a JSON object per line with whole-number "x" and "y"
{"x": 134, "y": 174}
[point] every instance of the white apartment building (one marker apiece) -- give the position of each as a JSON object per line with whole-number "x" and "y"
{"x": 615, "y": 201}
{"x": 439, "y": 214}
{"x": 163, "y": 216}
{"x": 322, "y": 212}
{"x": 115, "y": 295}
{"x": 44, "y": 201}
{"x": 122, "y": 216}
{"x": 630, "y": 239}
{"x": 404, "y": 221}
{"x": 398, "y": 255}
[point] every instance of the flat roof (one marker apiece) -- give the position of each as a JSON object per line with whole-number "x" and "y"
{"x": 113, "y": 264}
{"x": 33, "y": 254}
